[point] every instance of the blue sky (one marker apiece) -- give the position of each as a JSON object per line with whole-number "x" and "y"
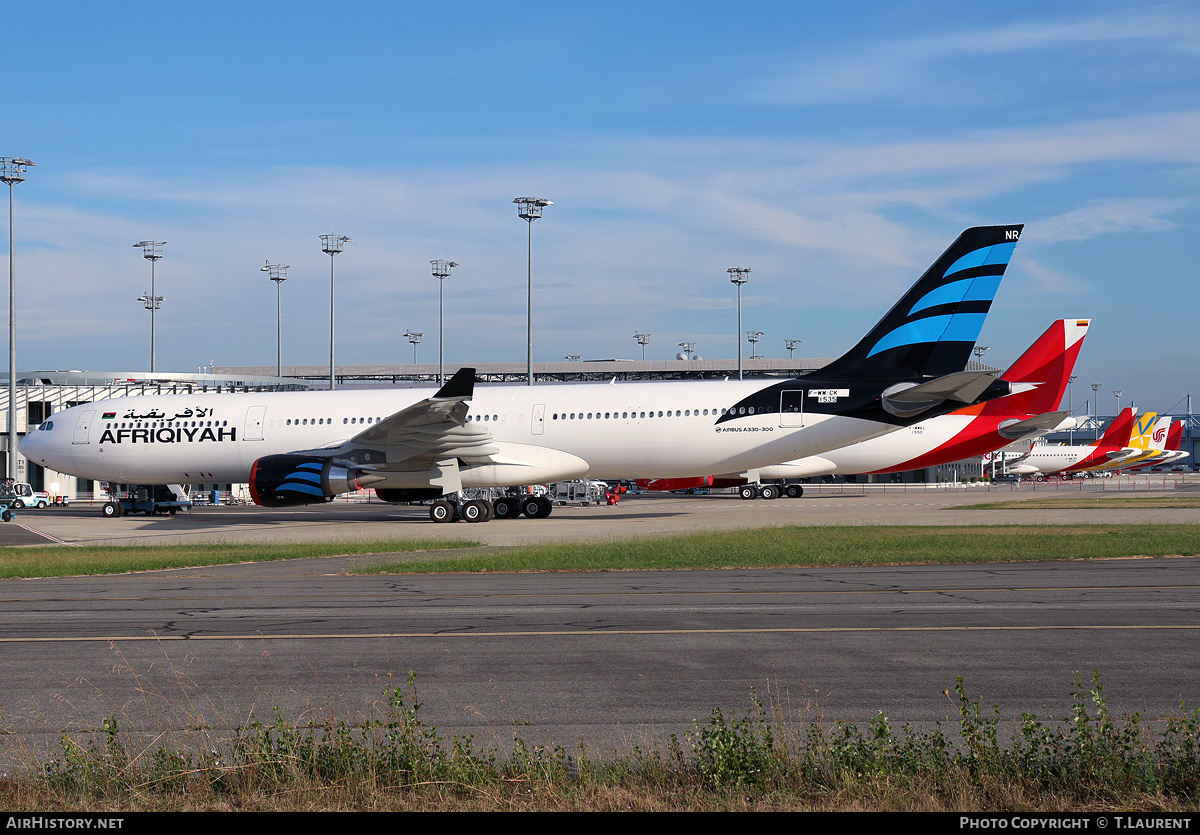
{"x": 835, "y": 151}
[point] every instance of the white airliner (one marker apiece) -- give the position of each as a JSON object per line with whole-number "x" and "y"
{"x": 305, "y": 447}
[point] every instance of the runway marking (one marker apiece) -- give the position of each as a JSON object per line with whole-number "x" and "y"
{"x": 358, "y": 636}
{"x": 45, "y": 535}
{"x": 433, "y": 597}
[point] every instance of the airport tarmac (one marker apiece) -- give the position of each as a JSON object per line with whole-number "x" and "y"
{"x": 637, "y": 515}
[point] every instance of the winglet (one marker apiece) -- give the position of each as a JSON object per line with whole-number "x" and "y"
{"x": 459, "y": 387}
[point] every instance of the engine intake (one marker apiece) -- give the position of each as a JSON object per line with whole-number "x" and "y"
{"x": 288, "y": 480}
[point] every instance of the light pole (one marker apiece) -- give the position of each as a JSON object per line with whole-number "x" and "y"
{"x": 979, "y": 351}
{"x": 739, "y": 276}
{"x": 331, "y": 245}
{"x": 12, "y": 171}
{"x": 278, "y": 274}
{"x": 1118, "y": 393}
{"x": 529, "y": 209}
{"x": 1096, "y": 408}
{"x": 573, "y": 357}
{"x": 441, "y": 271}
{"x": 415, "y": 339}
{"x": 753, "y": 337}
{"x": 1071, "y": 408}
{"x": 152, "y": 252}
{"x": 791, "y": 345}
{"x": 642, "y": 339}
{"x": 689, "y": 348}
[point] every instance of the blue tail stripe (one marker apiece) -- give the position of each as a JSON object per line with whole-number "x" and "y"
{"x": 995, "y": 254}
{"x": 961, "y": 327}
{"x": 979, "y": 289}
{"x": 301, "y": 488}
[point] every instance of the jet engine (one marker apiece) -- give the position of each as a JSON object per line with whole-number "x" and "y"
{"x": 287, "y": 480}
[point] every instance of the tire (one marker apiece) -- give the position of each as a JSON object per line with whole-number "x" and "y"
{"x": 18, "y": 504}
{"x": 536, "y": 507}
{"x": 42, "y": 504}
{"x": 111, "y": 510}
{"x": 769, "y": 491}
{"x": 6, "y": 515}
{"x": 441, "y": 511}
{"x": 476, "y": 511}
{"x": 172, "y": 510}
{"x": 506, "y": 508}
{"x": 748, "y": 492}
{"x": 793, "y": 491}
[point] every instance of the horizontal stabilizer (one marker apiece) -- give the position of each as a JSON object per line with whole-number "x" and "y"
{"x": 1037, "y": 425}
{"x": 906, "y": 399}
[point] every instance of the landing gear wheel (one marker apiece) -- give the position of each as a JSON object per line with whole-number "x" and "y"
{"x": 748, "y": 492}
{"x": 441, "y": 511}
{"x": 476, "y": 510}
{"x": 793, "y": 491}
{"x": 506, "y": 508}
{"x": 111, "y": 510}
{"x": 536, "y": 507}
{"x": 769, "y": 491}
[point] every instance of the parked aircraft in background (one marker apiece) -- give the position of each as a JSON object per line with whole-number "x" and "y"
{"x": 1054, "y": 458}
{"x": 1146, "y": 444}
{"x": 304, "y": 447}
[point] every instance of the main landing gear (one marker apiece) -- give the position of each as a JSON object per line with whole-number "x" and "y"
{"x": 454, "y": 508}
{"x": 770, "y": 491}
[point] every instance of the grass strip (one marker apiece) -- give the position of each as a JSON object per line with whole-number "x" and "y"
{"x": 822, "y": 546}
{"x": 59, "y": 561}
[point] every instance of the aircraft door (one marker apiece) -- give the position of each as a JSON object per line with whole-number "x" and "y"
{"x": 83, "y": 428}
{"x": 791, "y": 408}
{"x": 539, "y": 419}
{"x": 255, "y": 417}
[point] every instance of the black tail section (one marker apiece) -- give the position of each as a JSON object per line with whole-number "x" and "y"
{"x": 932, "y": 329}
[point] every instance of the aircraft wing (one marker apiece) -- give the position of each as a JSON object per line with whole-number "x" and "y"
{"x": 414, "y": 438}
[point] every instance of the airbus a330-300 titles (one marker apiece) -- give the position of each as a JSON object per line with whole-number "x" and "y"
{"x": 305, "y": 447}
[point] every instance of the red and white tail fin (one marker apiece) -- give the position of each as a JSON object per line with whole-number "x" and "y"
{"x": 1118, "y": 432}
{"x": 1048, "y": 362}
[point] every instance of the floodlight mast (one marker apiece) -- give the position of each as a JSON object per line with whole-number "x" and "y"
{"x": 1096, "y": 408}
{"x": 791, "y": 345}
{"x": 331, "y": 245}
{"x": 689, "y": 348}
{"x": 753, "y": 337}
{"x": 278, "y": 274}
{"x": 152, "y": 252}
{"x": 739, "y": 275}
{"x": 529, "y": 209}
{"x": 642, "y": 339}
{"x": 441, "y": 271}
{"x": 12, "y": 171}
{"x": 415, "y": 339}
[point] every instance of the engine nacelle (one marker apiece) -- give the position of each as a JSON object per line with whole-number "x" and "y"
{"x": 287, "y": 480}
{"x": 408, "y": 494}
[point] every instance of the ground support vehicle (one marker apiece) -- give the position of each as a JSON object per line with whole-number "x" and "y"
{"x": 21, "y": 495}
{"x": 150, "y": 499}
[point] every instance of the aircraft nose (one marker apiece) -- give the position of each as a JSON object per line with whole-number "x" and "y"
{"x": 34, "y": 446}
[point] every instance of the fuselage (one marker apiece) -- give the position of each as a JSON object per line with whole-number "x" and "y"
{"x": 620, "y": 430}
